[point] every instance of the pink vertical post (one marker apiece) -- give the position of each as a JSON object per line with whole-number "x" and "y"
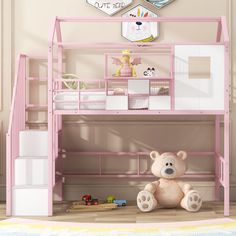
{"x": 219, "y": 31}
{"x": 172, "y": 75}
{"x": 217, "y": 151}
{"x": 23, "y": 91}
{"x": 51, "y": 161}
{"x": 226, "y": 119}
{"x": 106, "y": 74}
{"x": 59, "y": 66}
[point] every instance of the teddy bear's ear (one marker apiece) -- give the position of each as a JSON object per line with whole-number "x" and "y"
{"x": 182, "y": 155}
{"x": 154, "y": 155}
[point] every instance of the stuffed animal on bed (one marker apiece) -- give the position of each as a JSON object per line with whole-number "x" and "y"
{"x": 168, "y": 192}
{"x": 126, "y": 68}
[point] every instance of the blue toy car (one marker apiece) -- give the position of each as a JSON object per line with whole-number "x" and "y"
{"x": 120, "y": 202}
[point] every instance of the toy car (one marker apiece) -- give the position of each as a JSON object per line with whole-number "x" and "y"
{"x": 92, "y": 202}
{"x": 89, "y": 200}
{"x": 110, "y": 199}
{"x": 86, "y": 197}
{"x": 120, "y": 202}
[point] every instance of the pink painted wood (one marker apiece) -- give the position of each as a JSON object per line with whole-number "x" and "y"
{"x": 16, "y": 124}
{"x": 54, "y": 124}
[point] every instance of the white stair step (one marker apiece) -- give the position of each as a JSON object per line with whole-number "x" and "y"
{"x": 30, "y": 201}
{"x": 31, "y": 171}
{"x": 33, "y": 143}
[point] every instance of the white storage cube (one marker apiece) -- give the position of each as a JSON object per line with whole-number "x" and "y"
{"x": 138, "y": 102}
{"x": 29, "y": 171}
{"x": 33, "y": 143}
{"x": 159, "y": 103}
{"x": 117, "y": 103}
{"x": 30, "y": 201}
{"x": 138, "y": 86}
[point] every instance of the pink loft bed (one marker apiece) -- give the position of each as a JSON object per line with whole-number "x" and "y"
{"x": 63, "y": 101}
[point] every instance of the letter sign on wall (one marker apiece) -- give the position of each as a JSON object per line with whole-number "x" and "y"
{"x": 110, "y": 6}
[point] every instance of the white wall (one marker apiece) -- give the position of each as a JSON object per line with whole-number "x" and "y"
{"x": 26, "y": 25}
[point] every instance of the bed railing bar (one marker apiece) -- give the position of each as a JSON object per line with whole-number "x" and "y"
{"x": 135, "y": 112}
{"x": 146, "y": 19}
{"x": 76, "y": 45}
{"x": 114, "y": 79}
{"x": 190, "y": 153}
{"x": 198, "y": 176}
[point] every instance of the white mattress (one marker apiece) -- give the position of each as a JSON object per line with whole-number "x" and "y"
{"x": 70, "y": 101}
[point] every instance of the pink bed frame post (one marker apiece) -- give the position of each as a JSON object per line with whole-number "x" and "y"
{"x": 217, "y": 156}
{"x": 58, "y": 186}
{"x": 51, "y": 118}
{"x": 172, "y": 76}
{"x": 226, "y": 119}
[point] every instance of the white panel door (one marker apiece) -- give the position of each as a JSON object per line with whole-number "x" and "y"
{"x": 199, "y": 93}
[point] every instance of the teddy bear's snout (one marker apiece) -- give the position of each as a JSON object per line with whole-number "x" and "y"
{"x": 169, "y": 171}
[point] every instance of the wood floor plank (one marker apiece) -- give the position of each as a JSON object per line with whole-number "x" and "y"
{"x": 131, "y": 214}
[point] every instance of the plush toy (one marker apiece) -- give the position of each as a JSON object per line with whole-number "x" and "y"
{"x": 126, "y": 66}
{"x": 168, "y": 192}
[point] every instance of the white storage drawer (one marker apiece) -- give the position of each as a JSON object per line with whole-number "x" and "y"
{"x": 117, "y": 103}
{"x": 159, "y": 103}
{"x": 29, "y": 171}
{"x": 29, "y": 201}
{"x": 33, "y": 143}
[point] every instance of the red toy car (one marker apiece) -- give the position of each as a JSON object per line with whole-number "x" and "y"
{"x": 89, "y": 201}
{"x": 92, "y": 202}
{"x": 86, "y": 198}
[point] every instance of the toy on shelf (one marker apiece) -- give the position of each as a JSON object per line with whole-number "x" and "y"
{"x": 150, "y": 72}
{"x": 89, "y": 200}
{"x": 110, "y": 198}
{"x": 120, "y": 202}
{"x": 126, "y": 66}
{"x": 73, "y": 84}
{"x": 168, "y": 191}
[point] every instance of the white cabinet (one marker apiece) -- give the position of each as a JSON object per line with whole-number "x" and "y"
{"x": 29, "y": 171}
{"x": 30, "y": 201}
{"x": 33, "y": 143}
{"x": 159, "y": 103}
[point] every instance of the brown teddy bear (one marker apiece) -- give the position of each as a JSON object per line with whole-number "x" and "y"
{"x": 168, "y": 192}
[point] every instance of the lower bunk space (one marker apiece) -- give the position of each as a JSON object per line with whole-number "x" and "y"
{"x": 102, "y": 158}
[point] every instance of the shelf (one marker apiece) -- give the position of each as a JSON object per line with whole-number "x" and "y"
{"x": 37, "y": 78}
{"x": 36, "y": 107}
{"x": 137, "y": 78}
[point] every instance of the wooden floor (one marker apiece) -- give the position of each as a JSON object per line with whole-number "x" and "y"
{"x": 130, "y": 214}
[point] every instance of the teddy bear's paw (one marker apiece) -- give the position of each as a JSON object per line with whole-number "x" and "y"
{"x": 146, "y": 201}
{"x": 193, "y": 201}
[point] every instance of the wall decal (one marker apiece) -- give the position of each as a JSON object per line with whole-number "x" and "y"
{"x": 110, "y": 6}
{"x": 140, "y": 31}
{"x": 160, "y": 3}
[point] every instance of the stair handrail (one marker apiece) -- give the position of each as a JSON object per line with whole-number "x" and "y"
{"x": 16, "y": 124}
